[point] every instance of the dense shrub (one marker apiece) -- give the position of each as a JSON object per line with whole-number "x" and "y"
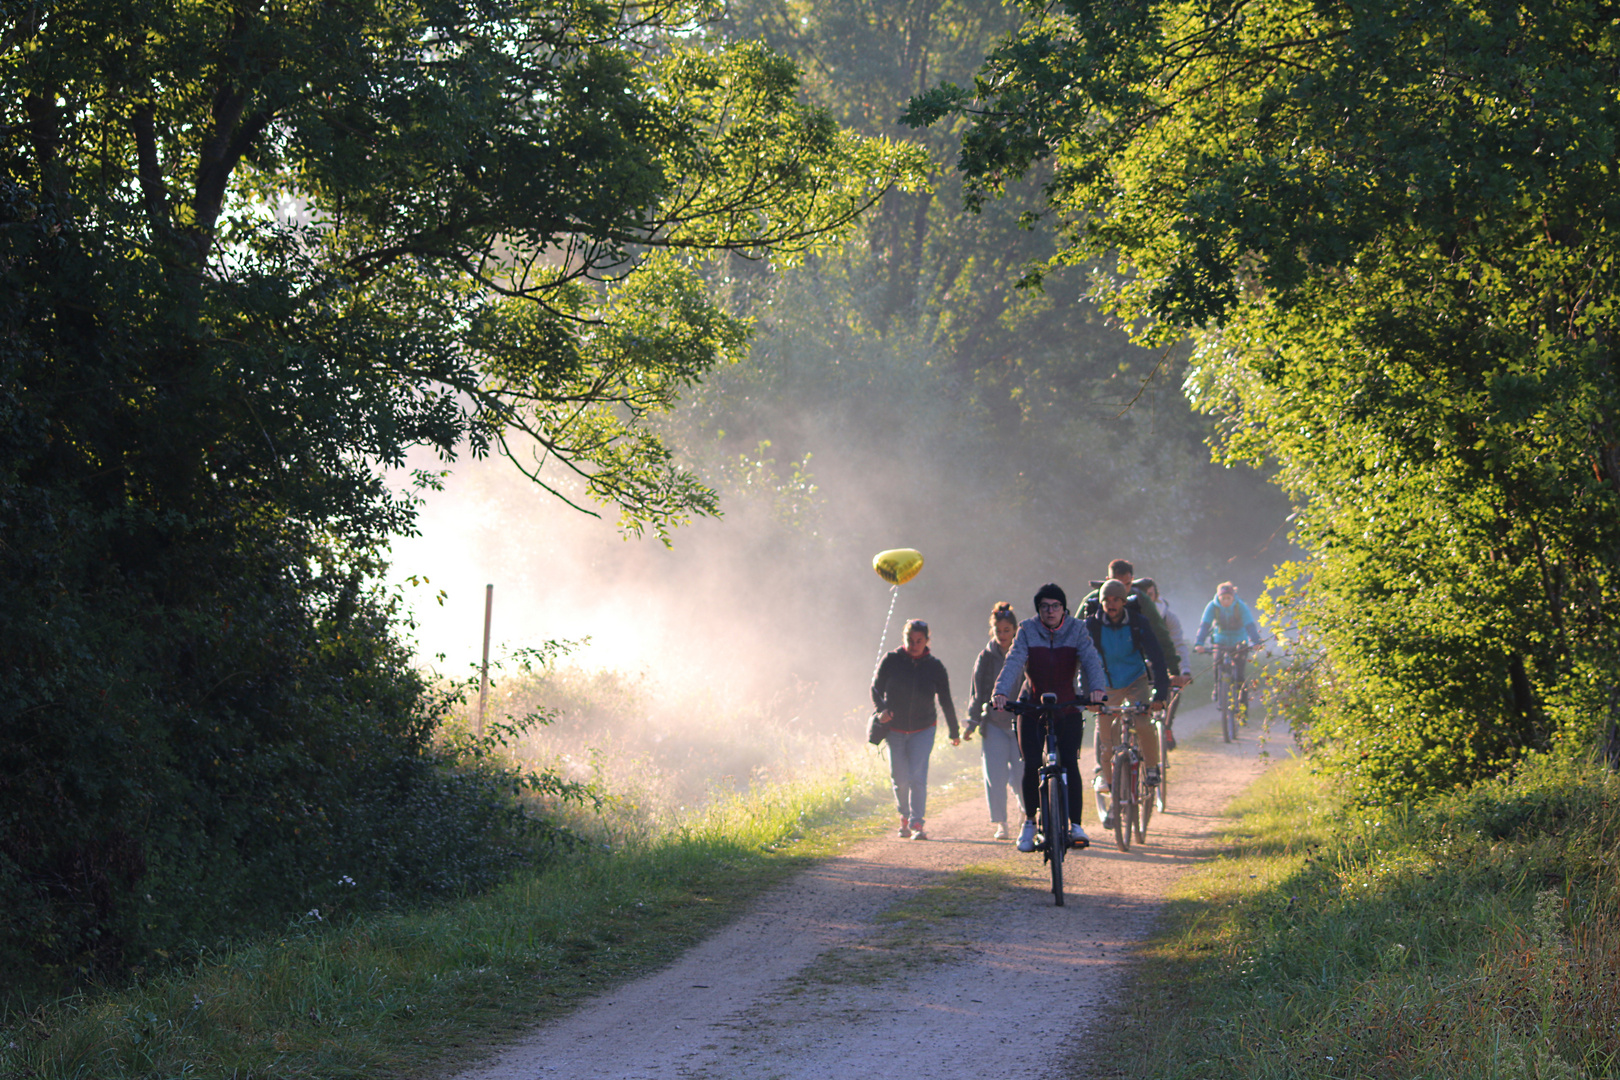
{"x": 207, "y": 721}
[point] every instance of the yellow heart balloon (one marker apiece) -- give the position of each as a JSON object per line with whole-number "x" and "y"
{"x": 897, "y": 566}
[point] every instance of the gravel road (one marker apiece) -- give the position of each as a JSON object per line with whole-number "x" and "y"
{"x": 932, "y": 959}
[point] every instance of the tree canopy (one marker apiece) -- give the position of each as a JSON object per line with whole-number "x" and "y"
{"x": 1389, "y": 228}
{"x": 252, "y": 254}
{"x": 912, "y": 345}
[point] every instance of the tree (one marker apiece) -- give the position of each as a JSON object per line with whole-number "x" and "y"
{"x": 915, "y": 343}
{"x": 252, "y": 254}
{"x": 1387, "y": 224}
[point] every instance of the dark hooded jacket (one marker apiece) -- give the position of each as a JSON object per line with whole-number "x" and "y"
{"x": 908, "y": 688}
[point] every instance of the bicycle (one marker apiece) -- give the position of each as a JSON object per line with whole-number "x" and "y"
{"x": 1053, "y": 833}
{"x": 1228, "y": 689}
{"x": 1161, "y": 722}
{"x": 1128, "y": 809}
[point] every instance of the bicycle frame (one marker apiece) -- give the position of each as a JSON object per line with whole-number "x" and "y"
{"x": 1128, "y": 803}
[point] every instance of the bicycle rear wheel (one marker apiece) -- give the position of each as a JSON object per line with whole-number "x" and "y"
{"x": 1146, "y": 800}
{"x": 1124, "y": 797}
{"x": 1057, "y": 833}
{"x": 1160, "y": 791}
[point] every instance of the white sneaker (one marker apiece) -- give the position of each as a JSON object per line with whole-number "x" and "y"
{"x": 1100, "y": 784}
{"x": 1001, "y": 830}
{"x": 1026, "y": 837}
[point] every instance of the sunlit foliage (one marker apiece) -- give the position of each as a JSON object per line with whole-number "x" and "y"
{"x": 1391, "y": 226}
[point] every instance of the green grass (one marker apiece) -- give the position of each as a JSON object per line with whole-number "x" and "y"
{"x": 1475, "y": 937}
{"x": 394, "y": 995}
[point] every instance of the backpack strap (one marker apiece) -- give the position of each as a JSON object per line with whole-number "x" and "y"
{"x": 1094, "y": 627}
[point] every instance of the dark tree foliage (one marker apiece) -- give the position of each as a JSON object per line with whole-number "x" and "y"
{"x": 1392, "y": 227}
{"x": 251, "y": 254}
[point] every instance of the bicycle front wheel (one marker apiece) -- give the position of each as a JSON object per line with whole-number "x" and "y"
{"x": 1228, "y": 699}
{"x": 1057, "y": 834}
{"x": 1124, "y": 796}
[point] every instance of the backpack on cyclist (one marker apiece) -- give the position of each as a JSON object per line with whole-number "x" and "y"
{"x": 1231, "y": 620}
{"x": 1133, "y": 619}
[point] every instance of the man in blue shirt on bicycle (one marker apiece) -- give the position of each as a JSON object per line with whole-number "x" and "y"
{"x": 1051, "y": 650}
{"x": 1133, "y": 661}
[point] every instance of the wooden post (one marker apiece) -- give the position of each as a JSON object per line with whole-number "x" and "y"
{"x": 483, "y": 674}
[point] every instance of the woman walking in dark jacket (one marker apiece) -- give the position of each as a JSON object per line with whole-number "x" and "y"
{"x": 1003, "y": 764}
{"x": 904, "y": 689}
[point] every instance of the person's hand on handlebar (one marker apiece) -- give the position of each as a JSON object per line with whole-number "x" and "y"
{"x": 1158, "y": 705}
{"x": 999, "y": 702}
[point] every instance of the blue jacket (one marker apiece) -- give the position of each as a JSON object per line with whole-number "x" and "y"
{"x": 1230, "y": 623}
{"x": 1143, "y": 643}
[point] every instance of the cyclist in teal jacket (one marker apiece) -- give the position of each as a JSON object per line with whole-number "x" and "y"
{"x": 1231, "y": 622}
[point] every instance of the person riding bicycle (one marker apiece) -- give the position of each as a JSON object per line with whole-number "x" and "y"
{"x": 1055, "y": 653}
{"x": 1133, "y": 660}
{"x": 1230, "y": 619}
{"x": 1139, "y": 600}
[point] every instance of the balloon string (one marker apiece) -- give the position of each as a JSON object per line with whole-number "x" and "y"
{"x": 894, "y": 594}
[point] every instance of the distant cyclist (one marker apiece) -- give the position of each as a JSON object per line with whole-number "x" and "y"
{"x": 1002, "y": 761}
{"x": 904, "y": 688}
{"x": 1135, "y": 663}
{"x": 1057, "y": 655}
{"x": 1231, "y": 621}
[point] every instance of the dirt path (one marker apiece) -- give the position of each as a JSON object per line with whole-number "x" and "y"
{"x": 858, "y": 966}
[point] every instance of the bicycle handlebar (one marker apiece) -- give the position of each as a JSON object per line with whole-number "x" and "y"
{"x": 1033, "y": 708}
{"x": 1241, "y": 647}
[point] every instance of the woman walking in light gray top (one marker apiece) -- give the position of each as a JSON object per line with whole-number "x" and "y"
{"x": 1003, "y": 764}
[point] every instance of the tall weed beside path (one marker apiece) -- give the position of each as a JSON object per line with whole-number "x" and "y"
{"x": 1477, "y": 936}
{"x": 392, "y": 995}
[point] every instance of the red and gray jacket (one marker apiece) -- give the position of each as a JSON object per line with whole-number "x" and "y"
{"x": 1052, "y": 659}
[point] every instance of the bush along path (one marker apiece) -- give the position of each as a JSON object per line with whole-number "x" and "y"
{"x": 1476, "y": 936}
{"x": 938, "y": 959}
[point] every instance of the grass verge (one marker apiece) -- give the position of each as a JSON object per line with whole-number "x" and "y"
{"x": 1477, "y": 937}
{"x": 400, "y": 994}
